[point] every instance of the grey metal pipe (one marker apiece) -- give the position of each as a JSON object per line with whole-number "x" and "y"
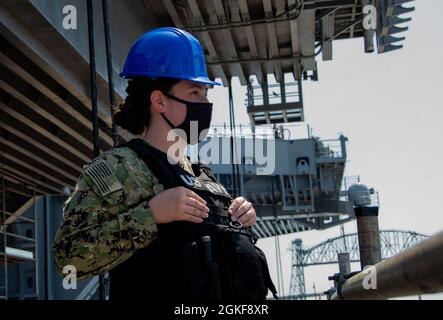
{"x": 93, "y": 88}
{"x": 5, "y": 240}
{"x": 36, "y": 242}
{"x": 93, "y": 78}
{"x": 235, "y": 166}
{"x": 344, "y": 263}
{"x": 418, "y": 270}
{"x": 49, "y": 269}
{"x": 109, "y": 65}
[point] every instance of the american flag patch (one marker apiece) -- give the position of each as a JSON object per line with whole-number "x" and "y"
{"x": 103, "y": 177}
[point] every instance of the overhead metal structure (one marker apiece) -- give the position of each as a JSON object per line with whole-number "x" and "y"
{"x": 45, "y": 106}
{"x": 391, "y": 23}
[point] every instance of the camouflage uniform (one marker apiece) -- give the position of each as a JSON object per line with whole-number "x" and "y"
{"x": 107, "y": 217}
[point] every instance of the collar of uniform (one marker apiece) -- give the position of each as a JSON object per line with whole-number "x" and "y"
{"x": 186, "y": 165}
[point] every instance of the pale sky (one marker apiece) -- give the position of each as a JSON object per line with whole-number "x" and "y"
{"x": 390, "y": 108}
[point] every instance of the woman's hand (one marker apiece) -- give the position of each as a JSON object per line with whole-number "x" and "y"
{"x": 178, "y": 204}
{"x": 242, "y": 210}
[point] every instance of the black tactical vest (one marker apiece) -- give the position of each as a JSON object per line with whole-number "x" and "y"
{"x": 210, "y": 261}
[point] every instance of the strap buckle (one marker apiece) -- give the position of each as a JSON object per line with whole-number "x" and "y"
{"x": 236, "y": 224}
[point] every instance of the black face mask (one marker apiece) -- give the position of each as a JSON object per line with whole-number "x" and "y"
{"x": 196, "y": 112}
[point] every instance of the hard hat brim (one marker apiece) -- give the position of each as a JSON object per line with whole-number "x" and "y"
{"x": 194, "y": 79}
{"x": 205, "y": 81}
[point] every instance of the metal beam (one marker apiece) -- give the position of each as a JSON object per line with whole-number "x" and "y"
{"x": 297, "y": 228}
{"x": 26, "y": 101}
{"x": 265, "y": 227}
{"x": 43, "y": 148}
{"x": 208, "y": 41}
{"x": 260, "y": 230}
{"x": 36, "y": 50}
{"x": 270, "y": 226}
{"x": 252, "y": 44}
{"x": 328, "y": 24}
{"x": 344, "y": 29}
{"x": 272, "y": 39}
{"x": 12, "y": 177}
{"x": 19, "y": 212}
{"x": 228, "y": 40}
{"x": 264, "y": 21}
{"x": 17, "y": 187}
{"x": 283, "y": 223}
{"x": 354, "y": 11}
{"x": 35, "y": 170}
{"x": 62, "y": 104}
{"x": 276, "y": 107}
{"x": 306, "y": 31}
{"x": 17, "y": 173}
{"x": 37, "y": 159}
{"x": 291, "y": 58}
{"x": 295, "y": 45}
{"x": 173, "y": 14}
{"x": 26, "y": 121}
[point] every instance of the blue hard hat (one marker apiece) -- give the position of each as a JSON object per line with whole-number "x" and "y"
{"x": 168, "y": 53}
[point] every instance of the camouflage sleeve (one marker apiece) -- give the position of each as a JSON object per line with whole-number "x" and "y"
{"x": 107, "y": 217}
